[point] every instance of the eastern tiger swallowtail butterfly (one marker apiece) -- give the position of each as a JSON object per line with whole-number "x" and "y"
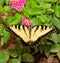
{"x": 30, "y": 34}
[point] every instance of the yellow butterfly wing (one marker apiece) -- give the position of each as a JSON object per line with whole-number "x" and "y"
{"x": 30, "y": 35}
{"x": 39, "y": 32}
{"x": 21, "y": 33}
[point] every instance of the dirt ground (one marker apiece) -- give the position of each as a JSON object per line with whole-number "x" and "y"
{"x": 49, "y": 60}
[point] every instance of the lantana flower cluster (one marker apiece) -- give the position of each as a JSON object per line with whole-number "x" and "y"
{"x": 19, "y": 6}
{"x": 26, "y": 22}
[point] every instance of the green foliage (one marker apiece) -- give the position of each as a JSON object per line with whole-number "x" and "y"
{"x": 26, "y": 57}
{"x": 16, "y": 60}
{"x": 7, "y": 1}
{"x": 2, "y": 2}
{"x": 55, "y": 48}
{"x": 1, "y": 8}
{"x": 39, "y": 21}
{"x": 45, "y": 5}
{"x": 3, "y": 56}
{"x": 32, "y": 11}
{"x": 55, "y": 38}
{"x": 51, "y": 45}
{"x": 45, "y": 46}
{"x": 58, "y": 54}
{"x": 1, "y": 29}
{"x": 37, "y": 12}
{"x": 5, "y": 35}
{"x": 56, "y": 10}
{"x": 56, "y": 22}
{"x": 16, "y": 19}
{"x": 13, "y": 53}
{"x": 52, "y": 1}
{"x": 7, "y": 8}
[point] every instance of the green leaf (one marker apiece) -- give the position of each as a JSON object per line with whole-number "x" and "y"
{"x": 16, "y": 19}
{"x": 1, "y": 2}
{"x": 31, "y": 3}
{"x": 2, "y": 41}
{"x": 13, "y": 53}
{"x": 54, "y": 38}
{"x": 1, "y": 8}
{"x": 41, "y": 47}
{"x": 39, "y": 21}
{"x": 47, "y": 49}
{"x": 18, "y": 60}
{"x": 7, "y": 8}
{"x": 1, "y": 33}
{"x": 26, "y": 57}
{"x": 26, "y": 49}
{"x": 36, "y": 21}
{"x": 7, "y": 1}
{"x": 32, "y": 11}
{"x": 45, "y": 5}
{"x": 59, "y": 38}
{"x": 52, "y": 1}
{"x": 57, "y": 10}
{"x": 39, "y": 1}
{"x": 55, "y": 48}
{"x": 19, "y": 49}
{"x": 56, "y": 22}
{"x": 44, "y": 19}
{"x": 6, "y": 35}
{"x": 4, "y": 57}
{"x": 1, "y": 28}
{"x": 58, "y": 54}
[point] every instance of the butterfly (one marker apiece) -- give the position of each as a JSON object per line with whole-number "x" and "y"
{"x": 30, "y": 35}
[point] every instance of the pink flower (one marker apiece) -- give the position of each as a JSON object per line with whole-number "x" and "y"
{"x": 26, "y": 22}
{"x": 18, "y": 4}
{"x": 3, "y": 13}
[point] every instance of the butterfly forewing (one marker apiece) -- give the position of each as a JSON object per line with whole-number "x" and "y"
{"x": 20, "y": 32}
{"x": 32, "y": 32}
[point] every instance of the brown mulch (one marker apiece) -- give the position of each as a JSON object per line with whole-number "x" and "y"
{"x": 49, "y": 60}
